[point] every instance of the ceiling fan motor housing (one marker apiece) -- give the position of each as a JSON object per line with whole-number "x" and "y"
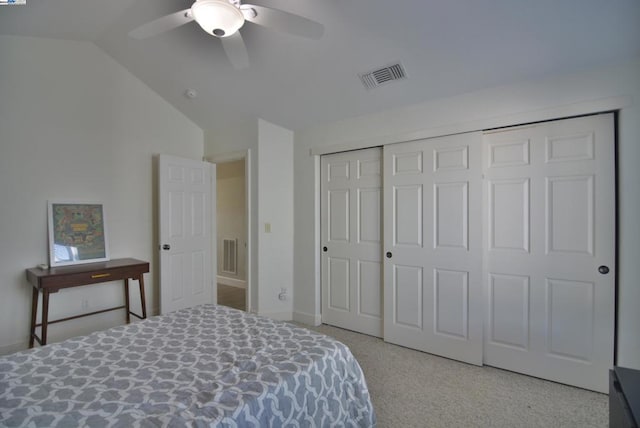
{"x": 220, "y": 18}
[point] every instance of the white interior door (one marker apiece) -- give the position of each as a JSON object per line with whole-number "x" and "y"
{"x": 549, "y": 225}
{"x": 432, "y": 240}
{"x": 351, "y": 229}
{"x": 187, "y": 257}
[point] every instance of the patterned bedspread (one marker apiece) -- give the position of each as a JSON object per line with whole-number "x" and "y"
{"x": 205, "y": 366}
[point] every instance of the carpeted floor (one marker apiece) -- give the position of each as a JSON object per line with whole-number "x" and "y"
{"x": 415, "y": 389}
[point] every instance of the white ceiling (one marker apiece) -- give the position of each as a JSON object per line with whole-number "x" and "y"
{"x": 448, "y": 47}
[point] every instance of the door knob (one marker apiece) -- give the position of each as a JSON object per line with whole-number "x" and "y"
{"x": 324, "y": 249}
{"x": 389, "y": 254}
{"x": 603, "y": 269}
{"x": 166, "y": 247}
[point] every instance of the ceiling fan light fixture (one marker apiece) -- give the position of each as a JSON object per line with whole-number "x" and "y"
{"x": 219, "y": 18}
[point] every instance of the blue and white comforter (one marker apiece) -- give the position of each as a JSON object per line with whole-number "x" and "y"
{"x": 205, "y": 366}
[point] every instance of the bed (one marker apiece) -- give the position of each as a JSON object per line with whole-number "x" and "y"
{"x": 203, "y": 366}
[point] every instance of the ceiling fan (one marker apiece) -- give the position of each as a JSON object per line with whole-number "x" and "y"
{"x": 224, "y": 18}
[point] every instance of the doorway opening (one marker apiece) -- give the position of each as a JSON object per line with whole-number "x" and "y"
{"x": 232, "y": 234}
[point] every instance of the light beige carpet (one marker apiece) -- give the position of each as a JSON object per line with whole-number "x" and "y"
{"x": 415, "y": 389}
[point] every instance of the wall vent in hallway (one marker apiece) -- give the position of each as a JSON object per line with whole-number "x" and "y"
{"x": 229, "y": 258}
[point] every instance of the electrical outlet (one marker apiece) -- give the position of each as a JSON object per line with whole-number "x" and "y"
{"x": 283, "y": 293}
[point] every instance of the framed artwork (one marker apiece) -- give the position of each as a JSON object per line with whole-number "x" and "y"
{"x": 77, "y": 233}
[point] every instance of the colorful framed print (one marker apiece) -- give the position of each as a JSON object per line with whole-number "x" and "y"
{"x": 77, "y": 233}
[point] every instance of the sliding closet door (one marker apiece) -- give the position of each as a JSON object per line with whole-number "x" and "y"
{"x": 351, "y": 229}
{"x": 550, "y": 250}
{"x": 432, "y": 245}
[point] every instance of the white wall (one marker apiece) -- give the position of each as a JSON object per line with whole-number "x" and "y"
{"x": 230, "y": 218}
{"x": 75, "y": 125}
{"x": 275, "y": 207}
{"x": 489, "y": 105}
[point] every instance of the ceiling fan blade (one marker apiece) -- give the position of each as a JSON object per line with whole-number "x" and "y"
{"x": 236, "y": 50}
{"x": 161, "y": 25}
{"x": 283, "y": 21}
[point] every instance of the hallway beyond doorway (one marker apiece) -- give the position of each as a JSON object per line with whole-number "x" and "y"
{"x": 234, "y": 297}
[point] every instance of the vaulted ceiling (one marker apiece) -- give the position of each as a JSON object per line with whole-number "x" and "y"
{"x": 447, "y": 47}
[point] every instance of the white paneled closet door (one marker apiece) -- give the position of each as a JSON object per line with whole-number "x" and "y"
{"x": 351, "y": 233}
{"x": 549, "y": 238}
{"x": 433, "y": 246}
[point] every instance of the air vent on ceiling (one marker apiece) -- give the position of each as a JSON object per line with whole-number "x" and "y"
{"x": 387, "y": 74}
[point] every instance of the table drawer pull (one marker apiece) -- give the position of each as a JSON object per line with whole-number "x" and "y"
{"x": 100, "y": 275}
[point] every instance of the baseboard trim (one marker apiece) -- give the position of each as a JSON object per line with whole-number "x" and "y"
{"x": 232, "y": 282}
{"x": 280, "y": 316}
{"x": 14, "y": 347}
{"x": 309, "y": 319}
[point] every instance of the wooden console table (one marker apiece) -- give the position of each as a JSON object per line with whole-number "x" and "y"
{"x": 53, "y": 279}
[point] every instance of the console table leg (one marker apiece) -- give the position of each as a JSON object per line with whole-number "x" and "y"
{"x": 142, "y": 298}
{"x": 34, "y": 313}
{"x": 126, "y": 299}
{"x": 45, "y": 315}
